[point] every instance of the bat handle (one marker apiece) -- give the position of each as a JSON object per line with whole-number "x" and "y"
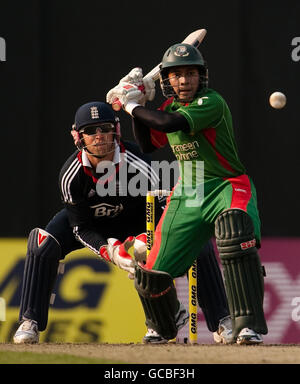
{"x": 117, "y": 105}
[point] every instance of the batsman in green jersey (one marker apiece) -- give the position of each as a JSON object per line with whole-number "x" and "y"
{"x": 214, "y": 196}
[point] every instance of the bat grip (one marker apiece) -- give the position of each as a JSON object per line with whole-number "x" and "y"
{"x": 117, "y": 105}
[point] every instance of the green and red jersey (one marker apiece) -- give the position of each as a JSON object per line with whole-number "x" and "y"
{"x": 210, "y": 139}
{"x": 189, "y": 218}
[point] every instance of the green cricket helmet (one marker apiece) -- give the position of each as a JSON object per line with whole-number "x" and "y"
{"x": 180, "y": 55}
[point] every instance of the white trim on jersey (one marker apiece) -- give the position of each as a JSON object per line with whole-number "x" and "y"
{"x": 85, "y": 159}
{"x": 116, "y": 158}
{"x": 67, "y": 179}
{"x": 76, "y": 233}
{"x": 143, "y": 167}
{"x": 135, "y": 161}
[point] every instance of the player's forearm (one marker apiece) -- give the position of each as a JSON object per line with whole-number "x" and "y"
{"x": 83, "y": 229}
{"x": 142, "y": 136}
{"x": 89, "y": 238}
{"x": 160, "y": 120}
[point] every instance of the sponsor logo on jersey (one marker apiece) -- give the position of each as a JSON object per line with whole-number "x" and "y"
{"x": 240, "y": 190}
{"x": 108, "y": 210}
{"x": 200, "y": 100}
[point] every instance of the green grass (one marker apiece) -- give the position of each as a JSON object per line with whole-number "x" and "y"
{"x": 7, "y": 357}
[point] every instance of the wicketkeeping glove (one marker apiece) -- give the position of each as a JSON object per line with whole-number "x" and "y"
{"x": 139, "y": 251}
{"x": 140, "y": 248}
{"x": 117, "y": 252}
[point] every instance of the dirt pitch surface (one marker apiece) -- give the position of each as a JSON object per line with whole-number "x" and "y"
{"x": 172, "y": 353}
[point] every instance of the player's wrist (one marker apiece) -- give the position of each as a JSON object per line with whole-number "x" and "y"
{"x": 130, "y": 106}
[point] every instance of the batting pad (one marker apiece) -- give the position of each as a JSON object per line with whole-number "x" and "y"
{"x": 159, "y": 299}
{"x": 41, "y": 265}
{"x": 242, "y": 270}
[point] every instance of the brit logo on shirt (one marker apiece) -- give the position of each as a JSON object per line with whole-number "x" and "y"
{"x": 94, "y": 113}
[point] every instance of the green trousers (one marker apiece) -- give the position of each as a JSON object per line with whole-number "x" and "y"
{"x": 188, "y": 221}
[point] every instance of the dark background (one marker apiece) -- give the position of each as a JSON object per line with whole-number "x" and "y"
{"x": 61, "y": 54}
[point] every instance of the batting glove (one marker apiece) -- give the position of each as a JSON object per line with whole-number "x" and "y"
{"x": 117, "y": 253}
{"x": 145, "y": 84}
{"x": 149, "y": 85}
{"x": 128, "y": 95}
{"x": 135, "y": 77}
{"x": 139, "y": 250}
